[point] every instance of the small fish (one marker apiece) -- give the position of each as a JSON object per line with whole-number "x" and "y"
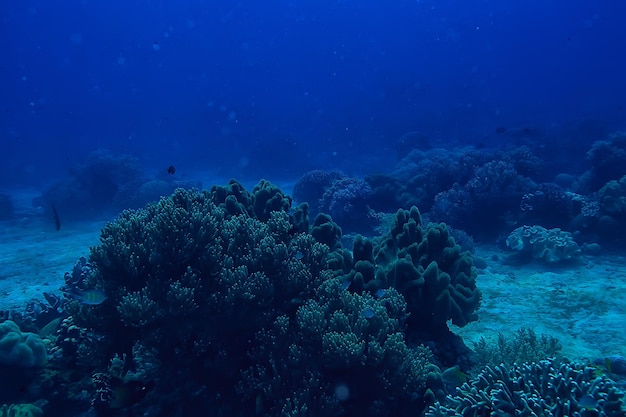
{"x": 587, "y": 402}
{"x": 369, "y": 312}
{"x": 128, "y": 393}
{"x": 55, "y": 217}
{"x": 608, "y": 364}
{"x": 299, "y": 255}
{"x": 171, "y": 170}
{"x": 345, "y": 284}
{"x": 91, "y": 297}
{"x": 380, "y": 293}
{"x": 453, "y": 377}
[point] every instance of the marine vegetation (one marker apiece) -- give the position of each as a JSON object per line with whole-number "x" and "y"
{"x": 522, "y": 346}
{"x": 545, "y": 388}
{"x": 224, "y": 301}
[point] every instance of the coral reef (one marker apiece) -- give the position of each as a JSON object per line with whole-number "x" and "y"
{"x": 465, "y": 183}
{"x": 543, "y": 388}
{"x": 554, "y": 206}
{"x": 92, "y": 186}
{"x": 612, "y": 197}
{"x": 105, "y": 183}
{"x": 225, "y": 301}
{"x": 346, "y": 199}
{"x": 345, "y": 353}
{"x": 20, "y": 349}
{"x": 426, "y": 266}
{"x": 480, "y": 206}
{"x": 22, "y": 356}
{"x": 20, "y": 410}
{"x": 523, "y": 346}
{"x": 311, "y": 186}
{"x": 607, "y": 159}
{"x": 546, "y": 245}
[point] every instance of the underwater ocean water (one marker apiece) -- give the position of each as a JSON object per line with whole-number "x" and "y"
{"x": 312, "y": 208}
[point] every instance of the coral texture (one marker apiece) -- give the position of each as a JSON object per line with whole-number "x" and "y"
{"x": 426, "y": 266}
{"x": 547, "y": 245}
{"x": 235, "y": 309}
{"x": 535, "y": 389}
{"x": 20, "y": 349}
{"x": 613, "y": 197}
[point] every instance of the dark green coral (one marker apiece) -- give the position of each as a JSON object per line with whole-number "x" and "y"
{"x": 426, "y": 266}
{"x": 542, "y": 388}
{"x": 226, "y": 293}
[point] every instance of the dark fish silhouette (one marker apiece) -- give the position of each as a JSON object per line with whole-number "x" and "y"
{"x": 128, "y": 393}
{"x": 113, "y": 393}
{"x": 55, "y": 216}
{"x": 171, "y": 169}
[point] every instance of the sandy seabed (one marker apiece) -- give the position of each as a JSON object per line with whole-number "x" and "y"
{"x": 584, "y": 305}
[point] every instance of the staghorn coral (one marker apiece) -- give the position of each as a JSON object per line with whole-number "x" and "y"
{"x": 544, "y": 389}
{"x": 523, "y": 346}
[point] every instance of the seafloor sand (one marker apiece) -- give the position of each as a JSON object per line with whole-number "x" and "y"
{"x": 583, "y": 306}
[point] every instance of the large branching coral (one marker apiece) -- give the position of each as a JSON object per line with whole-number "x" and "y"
{"x": 346, "y": 352}
{"x": 241, "y": 313}
{"x": 545, "y": 389}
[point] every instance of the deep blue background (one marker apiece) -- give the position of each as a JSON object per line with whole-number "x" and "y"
{"x": 272, "y": 88}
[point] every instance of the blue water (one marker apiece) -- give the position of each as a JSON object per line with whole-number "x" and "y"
{"x": 499, "y": 127}
{"x": 272, "y": 89}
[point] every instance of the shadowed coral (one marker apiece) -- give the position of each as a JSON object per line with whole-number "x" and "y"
{"x": 225, "y": 292}
{"x": 613, "y": 197}
{"x": 426, "y": 266}
{"x": 340, "y": 340}
{"x": 20, "y": 349}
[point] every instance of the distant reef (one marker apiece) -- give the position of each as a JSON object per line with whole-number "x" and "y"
{"x": 104, "y": 184}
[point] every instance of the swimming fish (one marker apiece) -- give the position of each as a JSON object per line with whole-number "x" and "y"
{"x": 453, "y": 378}
{"x": 587, "y": 402}
{"x": 113, "y": 393}
{"x": 128, "y": 393}
{"x": 55, "y": 216}
{"x": 171, "y": 170}
{"x": 91, "y": 297}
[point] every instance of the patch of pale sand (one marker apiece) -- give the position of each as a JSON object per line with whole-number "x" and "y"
{"x": 582, "y": 305}
{"x": 34, "y": 257}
